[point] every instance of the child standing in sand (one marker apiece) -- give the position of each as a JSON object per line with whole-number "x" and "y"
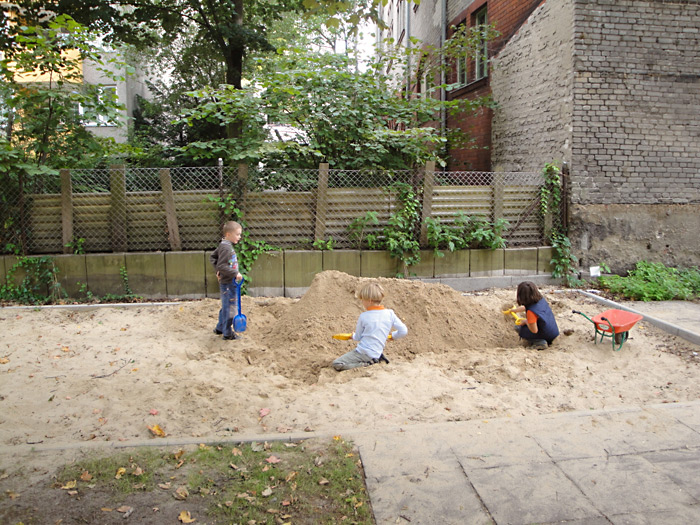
{"x": 373, "y": 327}
{"x": 539, "y": 328}
{"x": 225, "y": 264}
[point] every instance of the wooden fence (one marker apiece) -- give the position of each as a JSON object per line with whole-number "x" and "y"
{"x": 122, "y": 221}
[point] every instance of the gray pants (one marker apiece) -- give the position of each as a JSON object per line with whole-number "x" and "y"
{"x": 353, "y": 359}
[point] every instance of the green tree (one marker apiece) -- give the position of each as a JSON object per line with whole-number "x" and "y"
{"x": 46, "y": 106}
{"x": 347, "y": 117}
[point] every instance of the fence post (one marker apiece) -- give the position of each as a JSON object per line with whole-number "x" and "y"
{"x": 166, "y": 186}
{"x": 321, "y": 202}
{"x": 428, "y": 186}
{"x": 66, "y": 210}
{"x": 498, "y": 185}
{"x": 242, "y": 187}
{"x": 117, "y": 188}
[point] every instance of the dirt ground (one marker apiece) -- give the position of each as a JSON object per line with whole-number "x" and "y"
{"x": 107, "y": 374}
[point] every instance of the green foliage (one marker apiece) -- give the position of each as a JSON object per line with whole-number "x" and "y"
{"x": 654, "y": 282}
{"x": 400, "y": 235}
{"x": 358, "y": 227}
{"x": 324, "y": 244}
{"x": 32, "y": 280}
{"x": 467, "y": 232}
{"x": 77, "y": 245}
{"x": 334, "y": 112}
{"x": 564, "y": 262}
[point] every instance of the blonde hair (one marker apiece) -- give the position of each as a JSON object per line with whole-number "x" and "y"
{"x": 371, "y": 292}
{"x": 231, "y": 226}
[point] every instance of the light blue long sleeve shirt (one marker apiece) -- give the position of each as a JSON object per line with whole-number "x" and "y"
{"x": 373, "y": 327}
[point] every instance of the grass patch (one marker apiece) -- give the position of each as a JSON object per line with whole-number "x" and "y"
{"x": 305, "y": 482}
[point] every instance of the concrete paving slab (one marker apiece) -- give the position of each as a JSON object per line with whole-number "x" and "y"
{"x": 681, "y": 466}
{"x": 683, "y": 516}
{"x": 531, "y": 493}
{"x": 434, "y": 498}
{"x": 604, "y": 433}
{"x": 619, "y": 484}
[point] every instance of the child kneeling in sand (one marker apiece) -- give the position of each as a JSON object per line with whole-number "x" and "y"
{"x": 539, "y": 328}
{"x": 373, "y": 327}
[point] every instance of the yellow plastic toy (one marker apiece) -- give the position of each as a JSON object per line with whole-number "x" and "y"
{"x": 345, "y": 337}
{"x": 516, "y": 317}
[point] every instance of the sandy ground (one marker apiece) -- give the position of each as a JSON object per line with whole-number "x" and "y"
{"x": 107, "y": 374}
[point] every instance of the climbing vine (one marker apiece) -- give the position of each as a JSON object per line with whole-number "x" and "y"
{"x": 563, "y": 260}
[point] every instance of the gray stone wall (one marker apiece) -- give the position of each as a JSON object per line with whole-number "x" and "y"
{"x": 532, "y": 82}
{"x": 636, "y": 119}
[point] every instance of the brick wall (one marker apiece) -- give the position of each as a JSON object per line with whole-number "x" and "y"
{"x": 508, "y": 17}
{"x": 532, "y": 82}
{"x": 636, "y": 117}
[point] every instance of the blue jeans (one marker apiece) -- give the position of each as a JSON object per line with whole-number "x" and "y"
{"x": 228, "y": 308}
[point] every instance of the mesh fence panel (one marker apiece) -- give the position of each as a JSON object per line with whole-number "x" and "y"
{"x": 149, "y": 209}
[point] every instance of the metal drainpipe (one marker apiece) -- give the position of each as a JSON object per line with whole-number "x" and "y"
{"x": 443, "y": 76}
{"x": 408, "y": 48}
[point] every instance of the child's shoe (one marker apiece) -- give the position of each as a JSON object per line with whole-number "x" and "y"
{"x": 230, "y": 337}
{"x": 217, "y": 332}
{"x": 539, "y": 344}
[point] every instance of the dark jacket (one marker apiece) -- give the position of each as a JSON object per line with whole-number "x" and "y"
{"x": 547, "y": 328}
{"x": 225, "y": 261}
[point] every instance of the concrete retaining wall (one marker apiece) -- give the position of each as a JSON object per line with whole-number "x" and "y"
{"x": 188, "y": 275}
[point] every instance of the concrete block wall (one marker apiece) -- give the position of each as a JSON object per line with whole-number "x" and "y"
{"x": 188, "y": 275}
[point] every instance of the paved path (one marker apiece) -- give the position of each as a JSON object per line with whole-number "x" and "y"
{"x": 638, "y": 465}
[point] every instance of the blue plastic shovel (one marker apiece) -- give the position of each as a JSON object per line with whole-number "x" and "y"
{"x": 240, "y": 321}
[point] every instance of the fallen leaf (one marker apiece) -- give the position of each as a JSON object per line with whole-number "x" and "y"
{"x": 283, "y": 430}
{"x": 291, "y": 476}
{"x": 267, "y": 492}
{"x": 157, "y": 431}
{"x": 323, "y": 481}
{"x": 233, "y": 466}
{"x": 273, "y": 459}
{"x": 236, "y": 452}
{"x": 106, "y": 509}
{"x": 86, "y": 476}
{"x": 164, "y": 486}
{"x": 153, "y": 412}
{"x": 185, "y": 517}
{"x": 264, "y": 412}
{"x": 70, "y": 485}
{"x": 178, "y": 454}
{"x": 256, "y": 447}
{"x": 12, "y": 495}
{"x": 120, "y": 472}
{"x": 4, "y": 360}
{"x": 65, "y": 349}
{"x": 72, "y": 492}
{"x": 181, "y": 493}
{"x": 124, "y": 508}
{"x": 138, "y": 471}
{"x": 286, "y": 503}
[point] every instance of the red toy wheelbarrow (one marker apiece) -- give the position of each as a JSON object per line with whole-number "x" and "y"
{"x": 615, "y": 324}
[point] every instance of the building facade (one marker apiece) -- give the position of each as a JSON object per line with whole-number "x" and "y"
{"x": 612, "y": 88}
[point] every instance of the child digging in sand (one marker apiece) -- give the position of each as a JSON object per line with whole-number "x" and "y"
{"x": 539, "y": 328}
{"x": 373, "y": 327}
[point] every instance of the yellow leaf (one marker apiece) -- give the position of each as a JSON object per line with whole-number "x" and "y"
{"x": 70, "y": 485}
{"x": 185, "y": 517}
{"x": 4, "y": 360}
{"x": 120, "y": 472}
{"x": 157, "y": 431}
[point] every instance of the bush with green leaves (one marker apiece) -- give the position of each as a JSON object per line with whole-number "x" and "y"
{"x": 467, "y": 232}
{"x": 650, "y": 281}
